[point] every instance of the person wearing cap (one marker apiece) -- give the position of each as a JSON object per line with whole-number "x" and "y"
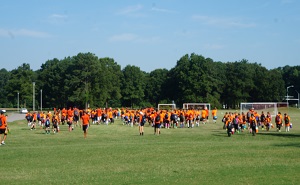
{"x": 3, "y": 128}
{"x": 287, "y": 122}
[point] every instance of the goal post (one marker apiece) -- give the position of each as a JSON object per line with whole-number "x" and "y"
{"x": 259, "y": 107}
{"x": 198, "y": 106}
{"x": 166, "y": 107}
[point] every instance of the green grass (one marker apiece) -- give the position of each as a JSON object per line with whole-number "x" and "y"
{"x": 116, "y": 154}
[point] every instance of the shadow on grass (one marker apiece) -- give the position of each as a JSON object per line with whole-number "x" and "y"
{"x": 281, "y": 134}
{"x": 25, "y": 128}
{"x": 220, "y": 134}
{"x": 288, "y": 145}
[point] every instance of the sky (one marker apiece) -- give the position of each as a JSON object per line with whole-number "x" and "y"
{"x": 150, "y": 34}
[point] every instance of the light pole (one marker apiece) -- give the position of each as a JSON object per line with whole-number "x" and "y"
{"x": 41, "y": 99}
{"x": 18, "y": 102}
{"x": 298, "y": 99}
{"x": 33, "y": 96}
{"x": 287, "y": 96}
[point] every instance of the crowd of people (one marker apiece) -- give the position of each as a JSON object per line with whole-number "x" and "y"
{"x": 179, "y": 118}
{"x": 238, "y": 122}
{"x": 156, "y": 118}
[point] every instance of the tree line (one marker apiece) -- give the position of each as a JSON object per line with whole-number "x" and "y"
{"x": 86, "y": 80}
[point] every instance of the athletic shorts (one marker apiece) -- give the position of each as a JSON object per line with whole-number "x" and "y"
{"x": 76, "y": 118}
{"x": 142, "y": 124}
{"x": 2, "y": 131}
{"x": 157, "y": 125}
{"x": 85, "y": 127}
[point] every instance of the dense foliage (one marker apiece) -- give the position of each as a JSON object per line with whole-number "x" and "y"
{"x": 86, "y": 80}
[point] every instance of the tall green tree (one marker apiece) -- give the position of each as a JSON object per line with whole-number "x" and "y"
{"x": 21, "y": 80}
{"x": 133, "y": 84}
{"x": 156, "y": 89}
{"x": 4, "y": 77}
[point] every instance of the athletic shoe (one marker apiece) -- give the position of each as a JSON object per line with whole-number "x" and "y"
{"x": 2, "y": 143}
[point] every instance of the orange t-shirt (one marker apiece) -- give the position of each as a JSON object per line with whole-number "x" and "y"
{"x": 85, "y": 119}
{"x": 204, "y": 114}
{"x": 3, "y": 119}
{"x": 214, "y": 112}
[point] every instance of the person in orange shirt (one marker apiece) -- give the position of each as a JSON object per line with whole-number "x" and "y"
{"x": 253, "y": 124}
{"x": 85, "y": 123}
{"x": 110, "y": 116}
{"x": 99, "y": 113}
{"x": 203, "y": 116}
{"x": 34, "y": 118}
{"x": 278, "y": 121}
{"x": 29, "y": 118}
{"x": 55, "y": 124}
{"x": 142, "y": 121}
{"x": 214, "y": 115}
{"x": 131, "y": 117}
{"x": 157, "y": 120}
{"x": 167, "y": 117}
{"x": 287, "y": 122}
{"x": 3, "y": 128}
{"x": 70, "y": 122}
{"x": 207, "y": 113}
{"x": 242, "y": 121}
{"x": 268, "y": 122}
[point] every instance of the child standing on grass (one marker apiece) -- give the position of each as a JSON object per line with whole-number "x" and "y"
{"x": 70, "y": 122}
{"x": 55, "y": 124}
{"x": 3, "y": 128}
{"x": 142, "y": 121}
{"x": 85, "y": 123}
{"x": 34, "y": 118}
{"x": 253, "y": 124}
{"x": 287, "y": 122}
{"x": 47, "y": 125}
{"x": 278, "y": 121}
{"x": 157, "y": 121}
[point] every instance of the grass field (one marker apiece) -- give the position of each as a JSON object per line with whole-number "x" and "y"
{"x": 116, "y": 154}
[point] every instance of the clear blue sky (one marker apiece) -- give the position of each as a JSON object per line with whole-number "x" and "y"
{"x": 150, "y": 34}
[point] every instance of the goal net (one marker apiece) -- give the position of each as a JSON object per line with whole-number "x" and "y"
{"x": 166, "y": 107}
{"x": 198, "y": 106}
{"x": 259, "y": 107}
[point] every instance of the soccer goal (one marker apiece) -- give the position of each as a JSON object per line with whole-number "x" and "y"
{"x": 259, "y": 107}
{"x": 198, "y": 106}
{"x": 166, "y": 107}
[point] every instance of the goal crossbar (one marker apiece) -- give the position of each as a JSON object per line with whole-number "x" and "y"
{"x": 260, "y": 106}
{"x": 166, "y": 106}
{"x": 196, "y": 106}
